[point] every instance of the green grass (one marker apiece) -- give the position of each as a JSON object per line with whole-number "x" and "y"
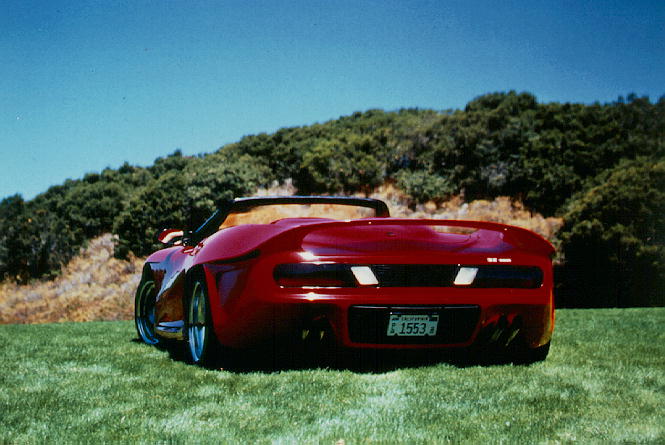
{"x": 603, "y": 381}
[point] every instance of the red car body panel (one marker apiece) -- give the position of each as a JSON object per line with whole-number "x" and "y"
{"x": 248, "y": 306}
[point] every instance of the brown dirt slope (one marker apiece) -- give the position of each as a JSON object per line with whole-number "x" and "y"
{"x": 93, "y": 286}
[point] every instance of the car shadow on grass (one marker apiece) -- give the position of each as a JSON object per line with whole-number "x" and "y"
{"x": 274, "y": 359}
{"x": 271, "y": 360}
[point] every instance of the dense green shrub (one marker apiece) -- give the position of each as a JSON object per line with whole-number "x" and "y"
{"x": 157, "y": 206}
{"x": 220, "y": 177}
{"x": 90, "y": 208}
{"x": 423, "y": 186}
{"x": 40, "y": 235}
{"x": 347, "y": 163}
{"x": 614, "y": 238}
{"x": 15, "y": 233}
{"x": 183, "y": 199}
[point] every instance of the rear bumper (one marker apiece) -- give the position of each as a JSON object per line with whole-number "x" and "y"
{"x": 249, "y": 308}
{"x": 355, "y": 321}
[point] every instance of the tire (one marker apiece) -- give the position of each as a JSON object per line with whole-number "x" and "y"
{"x": 202, "y": 346}
{"x": 144, "y": 312}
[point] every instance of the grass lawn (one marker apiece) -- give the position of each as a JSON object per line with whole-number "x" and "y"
{"x": 82, "y": 382}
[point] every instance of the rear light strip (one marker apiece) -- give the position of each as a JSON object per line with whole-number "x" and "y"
{"x": 407, "y": 275}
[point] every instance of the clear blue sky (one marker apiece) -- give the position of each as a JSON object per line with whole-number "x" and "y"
{"x": 86, "y": 85}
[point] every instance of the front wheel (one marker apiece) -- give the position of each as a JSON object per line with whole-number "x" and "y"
{"x": 202, "y": 344}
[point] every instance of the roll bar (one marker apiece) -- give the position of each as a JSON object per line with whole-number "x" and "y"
{"x": 240, "y": 205}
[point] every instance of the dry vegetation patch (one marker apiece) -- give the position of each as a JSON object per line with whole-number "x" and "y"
{"x": 93, "y": 286}
{"x": 502, "y": 209}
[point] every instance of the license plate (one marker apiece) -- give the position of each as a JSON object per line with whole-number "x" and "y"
{"x": 412, "y": 325}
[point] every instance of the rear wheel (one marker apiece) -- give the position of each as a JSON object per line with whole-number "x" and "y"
{"x": 202, "y": 344}
{"x": 144, "y": 312}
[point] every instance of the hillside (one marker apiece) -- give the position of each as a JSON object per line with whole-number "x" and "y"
{"x": 95, "y": 286}
{"x": 92, "y": 286}
{"x": 598, "y": 167}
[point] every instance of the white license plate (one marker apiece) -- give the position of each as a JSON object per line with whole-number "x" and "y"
{"x": 412, "y": 325}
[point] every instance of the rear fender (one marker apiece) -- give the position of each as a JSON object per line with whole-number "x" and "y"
{"x": 235, "y": 243}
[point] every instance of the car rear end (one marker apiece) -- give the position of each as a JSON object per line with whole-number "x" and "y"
{"x": 393, "y": 284}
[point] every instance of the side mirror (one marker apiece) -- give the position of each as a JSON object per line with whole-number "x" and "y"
{"x": 171, "y": 237}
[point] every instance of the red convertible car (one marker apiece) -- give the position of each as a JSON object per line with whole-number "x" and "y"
{"x": 340, "y": 269}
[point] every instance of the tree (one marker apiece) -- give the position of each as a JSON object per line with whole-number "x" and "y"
{"x": 613, "y": 238}
{"x": 348, "y": 163}
{"x": 159, "y": 205}
{"x": 183, "y": 199}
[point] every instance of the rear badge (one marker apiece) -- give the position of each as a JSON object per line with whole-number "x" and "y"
{"x": 499, "y": 260}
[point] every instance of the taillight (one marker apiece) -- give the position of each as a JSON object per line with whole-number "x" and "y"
{"x": 314, "y": 275}
{"x": 520, "y": 277}
{"x": 407, "y": 275}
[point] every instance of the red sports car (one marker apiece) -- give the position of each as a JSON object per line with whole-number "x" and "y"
{"x": 341, "y": 270}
